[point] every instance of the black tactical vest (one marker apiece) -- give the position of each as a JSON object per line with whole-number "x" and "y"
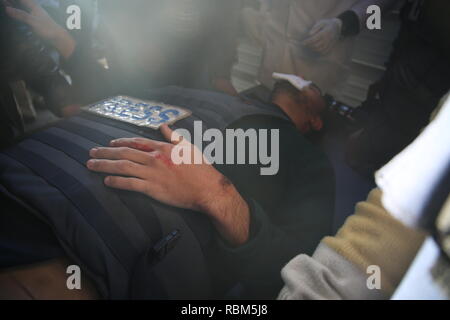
{"x": 130, "y": 245}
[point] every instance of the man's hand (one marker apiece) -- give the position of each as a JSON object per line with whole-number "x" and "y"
{"x": 71, "y": 110}
{"x": 43, "y": 25}
{"x": 146, "y": 166}
{"x": 324, "y": 35}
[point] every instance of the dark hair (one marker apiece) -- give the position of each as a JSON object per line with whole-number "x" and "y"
{"x": 285, "y": 87}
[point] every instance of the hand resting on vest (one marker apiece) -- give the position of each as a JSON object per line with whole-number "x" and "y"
{"x": 146, "y": 166}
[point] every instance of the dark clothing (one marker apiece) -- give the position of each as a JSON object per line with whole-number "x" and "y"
{"x": 24, "y": 239}
{"x": 417, "y": 77}
{"x": 290, "y": 213}
{"x": 24, "y": 57}
{"x": 11, "y": 122}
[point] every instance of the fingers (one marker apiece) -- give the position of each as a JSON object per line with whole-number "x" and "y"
{"x": 171, "y": 135}
{"x": 317, "y": 27}
{"x": 118, "y": 167}
{"x": 315, "y": 35}
{"x": 71, "y": 110}
{"x": 129, "y": 184}
{"x": 313, "y": 40}
{"x": 167, "y": 132}
{"x": 316, "y": 46}
{"x": 142, "y": 144}
{"x": 324, "y": 46}
{"x": 30, "y": 4}
{"x": 317, "y": 42}
{"x": 321, "y": 36}
{"x": 20, "y": 15}
{"x": 122, "y": 153}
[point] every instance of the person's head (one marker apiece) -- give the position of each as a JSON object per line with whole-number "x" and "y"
{"x": 304, "y": 107}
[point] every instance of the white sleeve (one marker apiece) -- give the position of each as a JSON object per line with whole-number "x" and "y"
{"x": 325, "y": 276}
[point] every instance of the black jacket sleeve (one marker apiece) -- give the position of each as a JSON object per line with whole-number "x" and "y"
{"x": 301, "y": 217}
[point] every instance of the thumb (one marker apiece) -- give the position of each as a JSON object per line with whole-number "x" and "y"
{"x": 166, "y": 132}
{"x": 171, "y": 135}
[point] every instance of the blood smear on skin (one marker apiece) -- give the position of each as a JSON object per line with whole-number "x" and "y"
{"x": 141, "y": 147}
{"x": 164, "y": 159}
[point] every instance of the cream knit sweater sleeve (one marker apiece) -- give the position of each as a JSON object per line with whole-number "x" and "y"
{"x": 338, "y": 268}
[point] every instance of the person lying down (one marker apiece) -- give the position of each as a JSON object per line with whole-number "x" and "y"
{"x": 106, "y": 195}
